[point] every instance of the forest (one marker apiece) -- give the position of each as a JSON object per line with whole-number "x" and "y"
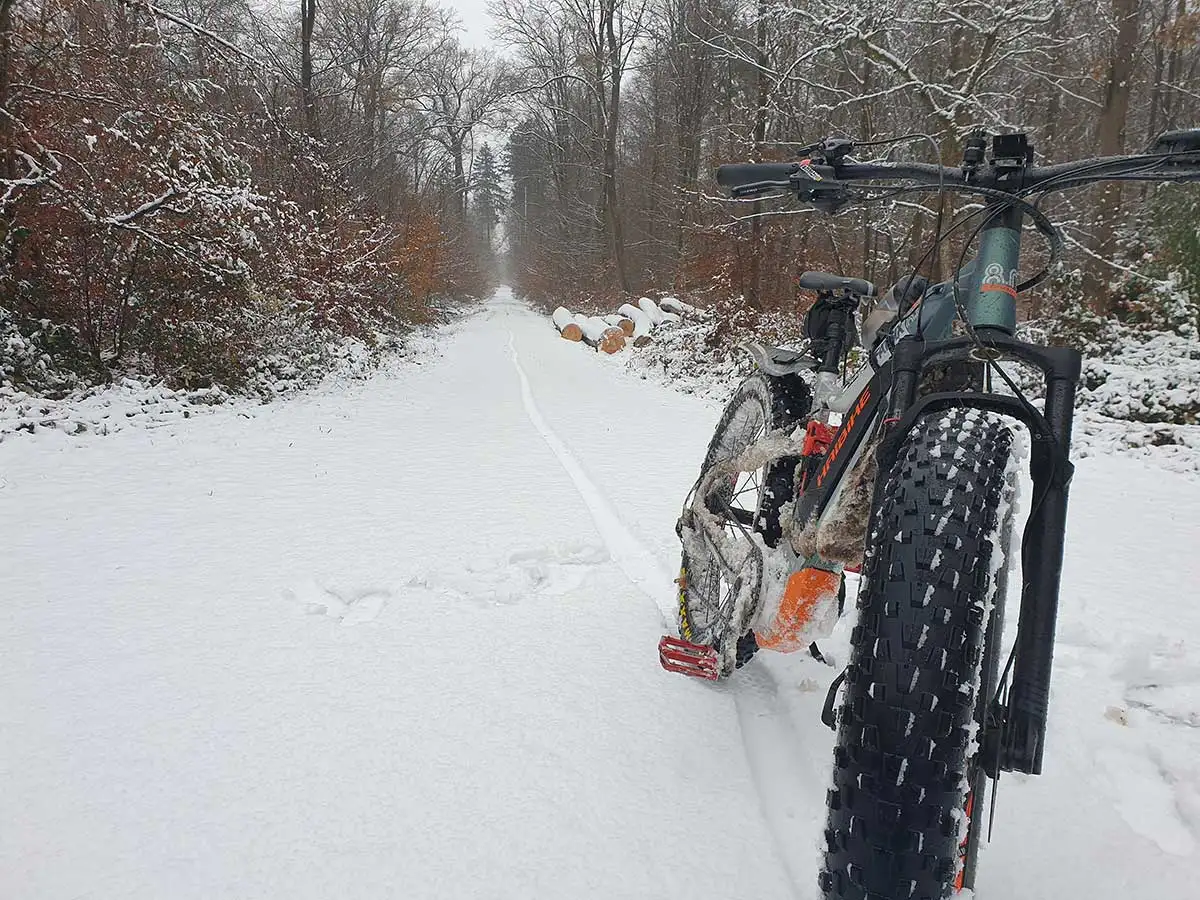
{"x": 631, "y": 105}
{"x": 219, "y": 191}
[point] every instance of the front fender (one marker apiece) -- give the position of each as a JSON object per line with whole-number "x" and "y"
{"x": 779, "y": 361}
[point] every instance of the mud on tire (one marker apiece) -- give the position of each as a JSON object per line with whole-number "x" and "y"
{"x": 761, "y": 403}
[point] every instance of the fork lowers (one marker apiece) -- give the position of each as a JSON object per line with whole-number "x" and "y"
{"x": 1024, "y": 731}
{"x": 1016, "y": 734}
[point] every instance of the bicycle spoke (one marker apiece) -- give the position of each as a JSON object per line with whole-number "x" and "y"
{"x": 729, "y": 557}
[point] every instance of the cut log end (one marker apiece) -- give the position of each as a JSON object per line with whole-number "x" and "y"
{"x": 566, "y": 324}
{"x": 643, "y": 340}
{"x": 612, "y": 342}
{"x": 622, "y": 322}
{"x": 642, "y": 326}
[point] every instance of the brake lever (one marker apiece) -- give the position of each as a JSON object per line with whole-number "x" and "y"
{"x": 828, "y": 199}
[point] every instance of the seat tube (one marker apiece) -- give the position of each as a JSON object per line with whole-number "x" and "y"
{"x": 993, "y": 303}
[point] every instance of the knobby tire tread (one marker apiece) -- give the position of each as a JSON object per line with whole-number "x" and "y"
{"x": 903, "y": 750}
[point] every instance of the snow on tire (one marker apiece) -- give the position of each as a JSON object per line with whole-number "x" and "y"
{"x": 761, "y": 404}
{"x": 904, "y": 756}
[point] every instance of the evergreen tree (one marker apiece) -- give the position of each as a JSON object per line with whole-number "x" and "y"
{"x": 488, "y": 192}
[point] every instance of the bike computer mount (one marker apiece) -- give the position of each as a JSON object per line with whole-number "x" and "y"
{"x": 1009, "y": 151}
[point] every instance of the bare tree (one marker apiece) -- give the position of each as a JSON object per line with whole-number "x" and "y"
{"x": 576, "y": 54}
{"x": 308, "y": 18}
{"x": 466, "y": 91}
{"x": 1112, "y": 123}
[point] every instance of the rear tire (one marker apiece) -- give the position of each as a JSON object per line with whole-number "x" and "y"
{"x": 922, "y": 666}
{"x": 761, "y": 403}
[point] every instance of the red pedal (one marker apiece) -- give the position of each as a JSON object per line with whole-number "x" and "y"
{"x": 697, "y": 660}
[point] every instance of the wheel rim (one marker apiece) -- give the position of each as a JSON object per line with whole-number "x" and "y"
{"x": 711, "y": 593}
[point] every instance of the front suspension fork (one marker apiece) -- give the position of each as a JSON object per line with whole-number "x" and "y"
{"x": 1041, "y": 567}
{"x": 1017, "y": 741}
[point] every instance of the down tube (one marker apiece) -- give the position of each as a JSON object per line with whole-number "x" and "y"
{"x": 859, "y": 421}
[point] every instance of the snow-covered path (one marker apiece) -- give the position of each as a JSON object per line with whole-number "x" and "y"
{"x": 397, "y": 639}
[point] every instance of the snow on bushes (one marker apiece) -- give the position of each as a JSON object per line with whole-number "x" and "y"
{"x": 1155, "y": 379}
{"x": 134, "y": 401}
{"x": 127, "y": 402}
{"x": 173, "y": 227}
{"x": 28, "y": 355}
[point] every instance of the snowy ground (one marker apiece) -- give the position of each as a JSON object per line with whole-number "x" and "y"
{"x": 397, "y": 639}
{"x": 141, "y": 402}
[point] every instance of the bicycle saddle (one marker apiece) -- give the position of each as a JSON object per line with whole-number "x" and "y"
{"x": 823, "y": 281}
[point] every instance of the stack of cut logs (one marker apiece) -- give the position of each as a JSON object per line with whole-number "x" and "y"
{"x": 608, "y": 334}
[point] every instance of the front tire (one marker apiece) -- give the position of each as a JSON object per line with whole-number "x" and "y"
{"x": 921, "y": 665}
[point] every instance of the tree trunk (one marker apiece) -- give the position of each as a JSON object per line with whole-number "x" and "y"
{"x": 1053, "y": 100}
{"x": 6, "y": 131}
{"x": 1110, "y": 139}
{"x": 457, "y": 151}
{"x": 1173, "y": 61}
{"x": 753, "y": 292}
{"x": 612, "y": 197}
{"x": 308, "y": 16}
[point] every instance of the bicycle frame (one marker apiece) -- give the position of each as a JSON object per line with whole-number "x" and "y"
{"x": 882, "y": 403}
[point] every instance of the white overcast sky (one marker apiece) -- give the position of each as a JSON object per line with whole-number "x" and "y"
{"x": 475, "y": 20}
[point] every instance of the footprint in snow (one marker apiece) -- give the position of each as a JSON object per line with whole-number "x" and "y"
{"x": 350, "y": 606}
{"x": 1145, "y": 799}
{"x": 546, "y": 571}
{"x": 1163, "y": 678}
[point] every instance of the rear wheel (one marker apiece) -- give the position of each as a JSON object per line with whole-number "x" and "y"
{"x": 906, "y": 801}
{"x": 743, "y": 503}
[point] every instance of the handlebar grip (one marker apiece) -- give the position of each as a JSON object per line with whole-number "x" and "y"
{"x": 736, "y": 174}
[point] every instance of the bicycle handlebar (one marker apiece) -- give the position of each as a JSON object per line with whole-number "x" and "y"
{"x": 816, "y": 178}
{"x": 823, "y": 180}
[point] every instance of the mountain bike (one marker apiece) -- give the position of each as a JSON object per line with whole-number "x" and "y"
{"x": 906, "y": 471}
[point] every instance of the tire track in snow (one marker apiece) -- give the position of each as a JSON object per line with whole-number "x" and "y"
{"x": 779, "y": 769}
{"x": 638, "y": 564}
{"x": 766, "y": 730}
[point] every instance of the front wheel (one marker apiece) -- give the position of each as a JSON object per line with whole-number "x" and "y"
{"x": 906, "y": 783}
